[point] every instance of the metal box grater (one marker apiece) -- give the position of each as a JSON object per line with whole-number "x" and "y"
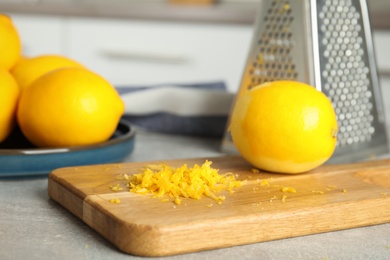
{"x": 327, "y": 44}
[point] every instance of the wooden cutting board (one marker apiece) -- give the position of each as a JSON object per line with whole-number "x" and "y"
{"x": 331, "y": 197}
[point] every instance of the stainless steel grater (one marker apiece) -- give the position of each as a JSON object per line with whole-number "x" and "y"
{"x": 327, "y": 44}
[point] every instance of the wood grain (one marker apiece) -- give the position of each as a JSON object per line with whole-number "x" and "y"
{"x": 329, "y": 198}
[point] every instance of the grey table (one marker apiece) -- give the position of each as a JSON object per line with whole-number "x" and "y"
{"x": 34, "y": 227}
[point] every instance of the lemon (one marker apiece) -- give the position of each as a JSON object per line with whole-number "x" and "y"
{"x": 10, "y": 43}
{"x": 284, "y": 126}
{"x": 29, "y": 69}
{"x": 9, "y": 95}
{"x": 69, "y": 107}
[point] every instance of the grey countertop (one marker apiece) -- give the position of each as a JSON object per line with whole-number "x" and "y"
{"x": 34, "y": 227}
{"x": 220, "y": 12}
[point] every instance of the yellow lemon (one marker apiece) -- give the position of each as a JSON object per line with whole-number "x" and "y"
{"x": 9, "y": 95}
{"x": 29, "y": 69}
{"x": 284, "y": 126}
{"x": 21, "y": 59}
{"x": 10, "y": 43}
{"x": 69, "y": 107}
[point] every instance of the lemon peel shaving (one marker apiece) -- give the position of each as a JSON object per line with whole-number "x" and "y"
{"x": 115, "y": 201}
{"x": 266, "y": 182}
{"x": 288, "y": 189}
{"x": 115, "y": 187}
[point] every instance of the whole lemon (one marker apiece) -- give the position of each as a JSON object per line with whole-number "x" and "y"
{"x": 69, "y": 107}
{"x": 10, "y": 43}
{"x": 29, "y": 69}
{"x": 284, "y": 126}
{"x": 9, "y": 95}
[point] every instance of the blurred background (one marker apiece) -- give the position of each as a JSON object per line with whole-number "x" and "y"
{"x": 148, "y": 42}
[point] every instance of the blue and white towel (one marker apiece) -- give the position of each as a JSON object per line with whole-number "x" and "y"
{"x": 189, "y": 109}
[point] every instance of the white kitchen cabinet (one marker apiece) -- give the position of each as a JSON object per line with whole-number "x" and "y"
{"x": 132, "y": 52}
{"x": 139, "y": 52}
{"x": 381, "y": 41}
{"x": 41, "y": 34}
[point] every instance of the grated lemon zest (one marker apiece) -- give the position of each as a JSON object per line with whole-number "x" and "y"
{"x": 115, "y": 201}
{"x": 265, "y": 182}
{"x": 195, "y": 182}
{"x": 120, "y": 176}
{"x": 288, "y": 189}
{"x": 272, "y": 199}
{"x": 331, "y": 187}
{"x": 115, "y": 187}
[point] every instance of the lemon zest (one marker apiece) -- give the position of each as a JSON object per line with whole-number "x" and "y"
{"x": 115, "y": 201}
{"x": 115, "y": 187}
{"x": 196, "y": 182}
{"x": 265, "y": 182}
{"x": 288, "y": 189}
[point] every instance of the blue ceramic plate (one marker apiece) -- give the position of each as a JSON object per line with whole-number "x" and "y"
{"x": 20, "y": 158}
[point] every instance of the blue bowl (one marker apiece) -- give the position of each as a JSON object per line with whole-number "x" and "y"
{"x": 19, "y": 158}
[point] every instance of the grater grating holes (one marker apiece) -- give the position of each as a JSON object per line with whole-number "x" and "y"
{"x": 345, "y": 74}
{"x": 273, "y": 60}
